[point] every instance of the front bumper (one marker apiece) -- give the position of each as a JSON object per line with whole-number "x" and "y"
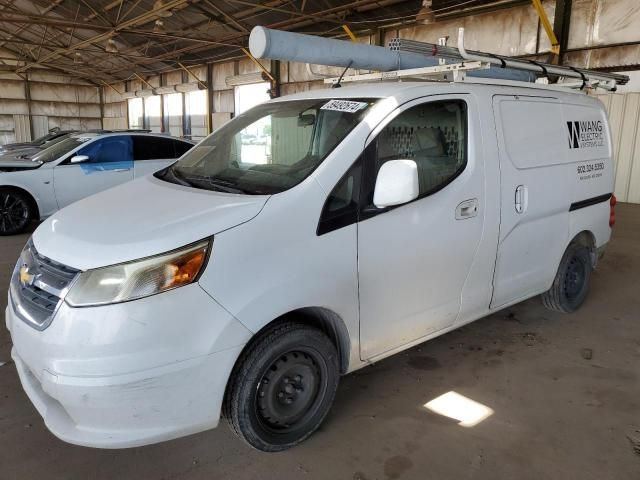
{"x": 130, "y": 374}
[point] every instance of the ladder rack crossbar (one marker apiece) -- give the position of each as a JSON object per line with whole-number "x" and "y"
{"x": 450, "y": 72}
{"x": 588, "y": 78}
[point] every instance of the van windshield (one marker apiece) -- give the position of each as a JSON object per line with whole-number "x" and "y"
{"x": 270, "y": 148}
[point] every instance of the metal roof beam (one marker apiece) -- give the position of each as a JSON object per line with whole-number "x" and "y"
{"x": 103, "y": 36}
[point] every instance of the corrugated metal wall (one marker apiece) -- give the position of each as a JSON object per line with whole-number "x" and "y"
{"x": 55, "y": 101}
{"x": 624, "y": 118}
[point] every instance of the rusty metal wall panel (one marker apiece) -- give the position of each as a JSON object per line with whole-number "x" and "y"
{"x": 63, "y": 93}
{"x": 40, "y": 125}
{"x": 510, "y": 31}
{"x": 604, "y": 22}
{"x": 12, "y": 89}
{"x": 220, "y": 73}
{"x": 22, "y": 128}
{"x": 218, "y": 119}
{"x": 115, "y": 123}
{"x": 223, "y": 101}
{"x": 624, "y": 119}
{"x": 247, "y": 65}
{"x": 6, "y": 129}
{"x": 13, "y": 107}
{"x": 68, "y": 123}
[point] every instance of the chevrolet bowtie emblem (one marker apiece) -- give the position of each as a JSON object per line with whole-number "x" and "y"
{"x": 26, "y": 278}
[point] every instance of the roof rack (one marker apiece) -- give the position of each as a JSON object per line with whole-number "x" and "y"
{"x": 473, "y": 60}
{"x": 453, "y": 72}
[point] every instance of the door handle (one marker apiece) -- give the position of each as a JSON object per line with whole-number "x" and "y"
{"x": 467, "y": 209}
{"x": 521, "y": 198}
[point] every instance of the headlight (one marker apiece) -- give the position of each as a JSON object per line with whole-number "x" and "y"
{"x": 140, "y": 278}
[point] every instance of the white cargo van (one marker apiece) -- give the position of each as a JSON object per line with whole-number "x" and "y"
{"x": 245, "y": 279}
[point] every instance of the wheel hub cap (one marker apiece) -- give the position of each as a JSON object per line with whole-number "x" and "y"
{"x": 14, "y": 213}
{"x": 574, "y": 278}
{"x": 288, "y": 390}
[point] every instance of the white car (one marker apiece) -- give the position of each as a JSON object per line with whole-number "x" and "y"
{"x": 80, "y": 165}
{"x": 388, "y": 214}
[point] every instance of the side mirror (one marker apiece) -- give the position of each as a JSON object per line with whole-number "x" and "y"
{"x": 397, "y": 183}
{"x": 79, "y": 159}
{"x": 306, "y": 120}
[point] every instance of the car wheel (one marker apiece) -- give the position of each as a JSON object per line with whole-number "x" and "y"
{"x": 571, "y": 285}
{"x": 15, "y": 212}
{"x": 282, "y": 387}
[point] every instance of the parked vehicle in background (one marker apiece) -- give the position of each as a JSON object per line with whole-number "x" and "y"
{"x": 28, "y": 152}
{"x": 38, "y": 142}
{"x": 386, "y": 215}
{"x": 34, "y": 187}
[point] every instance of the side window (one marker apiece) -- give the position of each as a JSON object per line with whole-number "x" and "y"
{"x": 341, "y": 207}
{"x": 434, "y": 135}
{"x": 149, "y": 147}
{"x": 181, "y": 147}
{"x": 109, "y": 149}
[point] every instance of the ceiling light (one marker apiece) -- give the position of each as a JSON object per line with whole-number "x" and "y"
{"x": 111, "y": 46}
{"x": 159, "y": 27}
{"x": 77, "y": 58}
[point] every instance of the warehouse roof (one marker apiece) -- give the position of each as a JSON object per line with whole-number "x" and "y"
{"x": 111, "y": 40}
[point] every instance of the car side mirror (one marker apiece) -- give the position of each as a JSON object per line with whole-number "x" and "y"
{"x": 79, "y": 159}
{"x": 306, "y": 120}
{"x": 397, "y": 183}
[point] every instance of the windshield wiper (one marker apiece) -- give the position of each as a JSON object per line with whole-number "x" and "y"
{"x": 175, "y": 176}
{"x": 212, "y": 183}
{"x": 226, "y": 186}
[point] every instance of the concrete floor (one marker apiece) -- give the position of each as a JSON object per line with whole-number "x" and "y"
{"x": 556, "y": 414}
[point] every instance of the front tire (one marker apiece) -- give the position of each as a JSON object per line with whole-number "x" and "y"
{"x": 282, "y": 387}
{"x": 16, "y": 211}
{"x": 571, "y": 285}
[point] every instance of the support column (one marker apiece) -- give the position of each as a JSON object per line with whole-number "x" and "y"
{"x": 27, "y": 96}
{"x": 275, "y": 83}
{"x": 101, "y": 94}
{"x": 561, "y": 25}
{"x": 209, "y": 97}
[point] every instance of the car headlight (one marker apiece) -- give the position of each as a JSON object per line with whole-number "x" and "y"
{"x": 139, "y": 278}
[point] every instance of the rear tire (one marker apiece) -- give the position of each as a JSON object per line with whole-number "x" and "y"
{"x": 282, "y": 387}
{"x": 571, "y": 285}
{"x": 16, "y": 211}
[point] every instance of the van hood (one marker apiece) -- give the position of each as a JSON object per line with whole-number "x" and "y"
{"x": 138, "y": 219}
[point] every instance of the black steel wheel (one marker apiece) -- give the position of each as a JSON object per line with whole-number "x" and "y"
{"x": 282, "y": 387}
{"x": 15, "y": 212}
{"x": 571, "y": 284}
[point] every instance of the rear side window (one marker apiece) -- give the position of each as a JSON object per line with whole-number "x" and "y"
{"x": 109, "y": 149}
{"x": 434, "y": 135}
{"x": 153, "y": 148}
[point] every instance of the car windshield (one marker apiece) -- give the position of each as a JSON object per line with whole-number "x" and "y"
{"x": 270, "y": 148}
{"x": 58, "y": 149}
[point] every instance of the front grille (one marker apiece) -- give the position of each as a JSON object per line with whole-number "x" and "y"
{"x": 38, "y": 287}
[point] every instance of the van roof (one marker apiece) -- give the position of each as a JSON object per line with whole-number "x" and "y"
{"x": 406, "y": 88}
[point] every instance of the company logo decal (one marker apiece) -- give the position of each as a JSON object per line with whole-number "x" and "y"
{"x": 586, "y": 134}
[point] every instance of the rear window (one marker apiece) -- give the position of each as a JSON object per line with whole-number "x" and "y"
{"x": 152, "y": 147}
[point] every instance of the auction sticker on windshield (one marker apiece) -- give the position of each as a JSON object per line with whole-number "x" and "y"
{"x": 344, "y": 106}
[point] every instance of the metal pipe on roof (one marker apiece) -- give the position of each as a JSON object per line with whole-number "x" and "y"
{"x": 297, "y": 47}
{"x": 579, "y": 73}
